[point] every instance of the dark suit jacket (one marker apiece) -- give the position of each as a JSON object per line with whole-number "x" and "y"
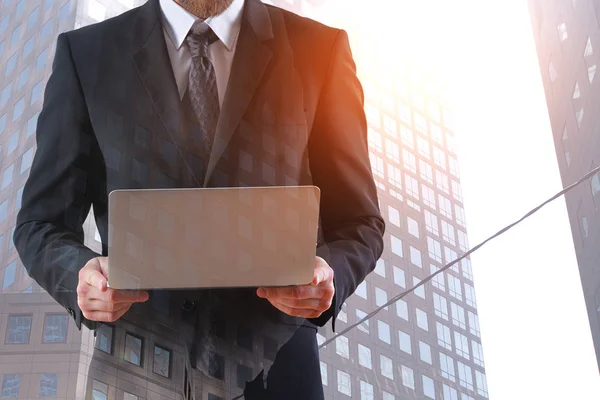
{"x": 292, "y": 115}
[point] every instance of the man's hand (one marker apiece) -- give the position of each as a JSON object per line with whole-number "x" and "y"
{"x": 308, "y": 301}
{"x": 97, "y": 301}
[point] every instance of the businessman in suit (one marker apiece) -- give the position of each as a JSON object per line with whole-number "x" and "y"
{"x": 203, "y": 93}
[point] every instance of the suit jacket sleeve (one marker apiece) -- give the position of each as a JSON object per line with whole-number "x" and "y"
{"x": 351, "y": 223}
{"x": 58, "y": 194}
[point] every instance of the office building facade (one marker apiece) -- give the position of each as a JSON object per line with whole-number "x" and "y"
{"x": 427, "y": 345}
{"x": 567, "y": 36}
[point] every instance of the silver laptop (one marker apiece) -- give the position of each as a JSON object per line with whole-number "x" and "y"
{"x": 212, "y": 238}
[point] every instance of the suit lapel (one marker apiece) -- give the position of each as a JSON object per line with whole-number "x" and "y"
{"x": 154, "y": 68}
{"x": 249, "y": 65}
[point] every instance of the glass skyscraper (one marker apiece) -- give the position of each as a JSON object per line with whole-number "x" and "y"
{"x": 426, "y": 346}
{"x": 567, "y": 36}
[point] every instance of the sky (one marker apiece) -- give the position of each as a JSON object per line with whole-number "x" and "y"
{"x": 535, "y": 333}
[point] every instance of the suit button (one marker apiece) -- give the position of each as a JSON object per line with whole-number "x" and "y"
{"x": 188, "y": 305}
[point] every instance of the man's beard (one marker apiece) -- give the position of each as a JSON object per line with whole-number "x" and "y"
{"x": 204, "y": 8}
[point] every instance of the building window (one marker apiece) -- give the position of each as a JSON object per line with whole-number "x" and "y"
{"x": 133, "y": 349}
{"x": 407, "y": 137}
{"x": 9, "y": 275}
{"x": 3, "y": 210}
{"x": 419, "y": 291}
{"x": 467, "y": 270}
{"x": 447, "y": 367}
{"x": 435, "y": 249}
{"x": 415, "y": 257}
{"x": 465, "y": 375}
{"x": 343, "y": 383}
{"x": 399, "y": 277}
{"x": 470, "y": 295}
{"x": 216, "y": 366}
{"x": 361, "y": 290}
{"x": 381, "y": 297}
{"x": 392, "y": 150}
{"x": 443, "y": 335}
{"x": 390, "y": 125}
{"x": 324, "y": 379}
{"x": 26, "y": 160}
{"x": 455, "y": 287}
{"x": 589, "y": 60}
{"x": 449, "y": 393}
{"x": 431, "y": 223}
{"x": 396, "y": 246}
{"x": 422, "y": 320}
{"x": 451, "y": 256}
{"x": 244, "y": 375}
{"x": 10, "y": 386}
{"x": 41, "y": 60}
{"x": 425, "y": 352}
{"x": 55, "y": 328}
{"x": 393, "y": 216}
{"x": 413, "y": 227}
{"x": 410, "y": 161}
{"x": 562, "y": 32}
{"x": 463, "y": 241}
{"x": 402, "y": 309}
{"x": 23, "y": 78}
{"x": 395, "y": 176}
{"x": 18, "y": 109}
{"x": 32, "y": 124}
{"x": 405, "y": 343}
{"x": 420, "y": 124}
{"x": 426, "y": 172}
{"x": 466, "y": 397}
{"x": 423, "y": 146}
{"x": 7, "y": 176}
{"x": 162, "y": 361}
{"x": 104, "y": 338}
{"x": 477, "y": 353}
{"x": 364, "y": 356}
{"x": 375, "y": 142}
{"x": 412, "y": 186}
{"x": 462, "y": 345}
{"x": 377, "y": 165}
{"x": 366, "y": 391}
{"x": 473, "y": 324}
{"x": 408, "y": 377}
{"x": 48, "y": 385}
{"x": 36, "y": 92}
{"x": 18, "y": 329}
{"x": 5, "y": 94}
{"x": 442, "y": 182}
{"x": 28, "y": 48}
{"x": 13, "y": 142}
{"x": 99, "y": 390}
{"x": 445, "y": 206}
{"x": 458, "y": 315}
{"x": 428, "y": 387}
{"x": 129, "y": 396}
{"x": 439, "y": 157}
{"x": 19, "y": 198}
{"x": 46, "y": 30}
{"x": 364, "y": 326}
{"x": 460, "y": 215}
{"x": 341, "y": 347}
{"x": 428, "y": 196}
{"x": 441, "y": 306}
{"x": 481, "y": 384}
{"x": 448, "y": 233}
{"x": 383, "y": 332}
{"x": 387, "y": 367}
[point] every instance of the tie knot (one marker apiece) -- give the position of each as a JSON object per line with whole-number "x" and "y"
{"x": 199, "y": 38}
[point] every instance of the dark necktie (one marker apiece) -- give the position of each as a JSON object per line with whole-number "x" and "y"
{"x": 202, "y": 87}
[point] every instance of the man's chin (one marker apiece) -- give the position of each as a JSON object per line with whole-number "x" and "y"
{"x": 204, "y": 8}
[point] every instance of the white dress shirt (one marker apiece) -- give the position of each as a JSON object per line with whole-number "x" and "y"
{"x": 177, "y": 22}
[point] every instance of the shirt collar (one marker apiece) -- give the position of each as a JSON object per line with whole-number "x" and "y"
{"x": 177, "y": 22}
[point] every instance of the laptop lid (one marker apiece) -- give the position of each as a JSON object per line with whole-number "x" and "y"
{"x": 212, "y": 238}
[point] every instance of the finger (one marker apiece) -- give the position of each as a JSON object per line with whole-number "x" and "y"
{"x": 95, "y": 278}
{"x": 289, "y": 292}
{"x": 323, "y": 272}
{"x": 296, "y": 312}
{"x": 120, "y": 296}
{"x": 105, "y": 316}
{"x": 102, "y": 306}
{"x": 303, "y": 304}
